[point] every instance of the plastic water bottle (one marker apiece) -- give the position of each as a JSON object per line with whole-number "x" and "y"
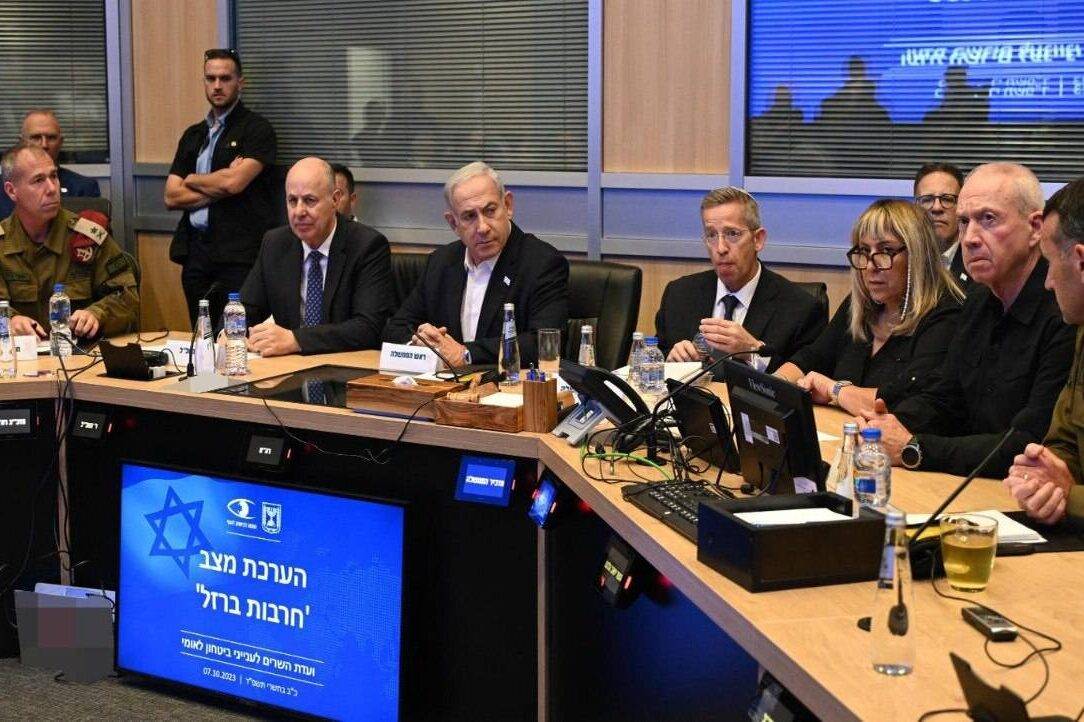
{"x": 60, "y": 312}
{"x": 845, "y": 471}
{"x": 872, "y": 471}
{"x": 636, "y": 359}
{"x": 652, "y": 368}
{"x": 892, "y": 625}
{"x": 508, "y": 354}
{"x": 7, "y": 343}
{"x": 203, "y": 354}
{"x": 587, "y": 346}
{"x": 236, "y": 332}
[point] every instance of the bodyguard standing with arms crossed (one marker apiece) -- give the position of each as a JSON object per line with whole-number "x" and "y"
{"x": 221, "y": 179}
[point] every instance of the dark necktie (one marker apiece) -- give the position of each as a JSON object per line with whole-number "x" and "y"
{"x": 730, "y": 302}
{"x": 314, "y": 290}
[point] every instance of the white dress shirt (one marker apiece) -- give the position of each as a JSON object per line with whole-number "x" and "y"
{"x": 324, "y": 248}
{"x": 474, "y": 293}
{"x": 745, "y": 298}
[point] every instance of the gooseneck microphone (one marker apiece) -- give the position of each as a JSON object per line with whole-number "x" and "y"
{"x": 190, "y": 371}
{"x": 963, "y": 485}
{"x": 455, "y": 374}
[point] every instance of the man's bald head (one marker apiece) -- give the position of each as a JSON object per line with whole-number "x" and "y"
{"x": 41, "y": 127}
{"x": 1018, "y": 184}
{"x": 310, "y": 200}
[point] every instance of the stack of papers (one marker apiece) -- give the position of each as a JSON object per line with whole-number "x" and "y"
{"x": 790, "y": 516}
{"x": 1009, "y": 531}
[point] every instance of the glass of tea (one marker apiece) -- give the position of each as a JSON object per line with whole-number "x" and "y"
{"x": 968, "y": 545}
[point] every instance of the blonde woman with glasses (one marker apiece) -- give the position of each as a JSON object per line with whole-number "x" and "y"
{"x": 889, "y": 336}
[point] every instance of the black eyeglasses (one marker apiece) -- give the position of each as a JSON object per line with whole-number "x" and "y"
{"x": 860, "y": 258}
{"x": 948, "y": 200}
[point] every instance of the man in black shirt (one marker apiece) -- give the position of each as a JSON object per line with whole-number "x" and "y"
{"x": 1011, "y": 353}
{"x": 221, "y": 179}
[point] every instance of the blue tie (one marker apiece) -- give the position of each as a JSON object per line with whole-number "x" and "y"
{"x": 314, "y": 290}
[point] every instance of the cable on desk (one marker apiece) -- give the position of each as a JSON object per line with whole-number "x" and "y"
{"x": 947, "y": 710}
{"x": 381, "y": 457}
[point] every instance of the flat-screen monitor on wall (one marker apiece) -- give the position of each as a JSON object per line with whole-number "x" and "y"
{"x": 281, "y": 596}
{"x": 877, "y": 87}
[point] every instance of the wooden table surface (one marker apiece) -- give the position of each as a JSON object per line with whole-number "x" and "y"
{"x": 807, "y": 638}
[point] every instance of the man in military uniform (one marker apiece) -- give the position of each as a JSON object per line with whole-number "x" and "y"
{"x": 42, "y": 244}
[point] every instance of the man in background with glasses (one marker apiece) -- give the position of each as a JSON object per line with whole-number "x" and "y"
{"x": 1011, "y": 352}
{"x": 221, "y": 179}
{"x": 41, "y": 127}
{"x": 739, "y": 305}
{"x": 937, "y": 189}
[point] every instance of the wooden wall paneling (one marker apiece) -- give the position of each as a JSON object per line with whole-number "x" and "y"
{"x": 666, "y": 86}
{"x": 161, "y": 297}
{"x": 168, "y": 40}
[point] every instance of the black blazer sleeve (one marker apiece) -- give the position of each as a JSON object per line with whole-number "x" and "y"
{"x": 254, "y": 293}
{"x": 361, "y": 303}
{"x": 667, "y": 336}
{"x": 822, "y": 354}
{"x": 544, "y": 305}
{"x": 401, "y": 325}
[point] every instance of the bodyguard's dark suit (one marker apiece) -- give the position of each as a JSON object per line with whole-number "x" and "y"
{"x": 530, "y": 273}
{"x": 72, "y": 185}
{"x": 780, "y": 314}
{"x": 357, "y": 288}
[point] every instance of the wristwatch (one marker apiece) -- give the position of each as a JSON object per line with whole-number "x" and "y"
{"x": 833, "y": 395}
{"x": 466, "y": 357}
{"x": 911, "y": 454}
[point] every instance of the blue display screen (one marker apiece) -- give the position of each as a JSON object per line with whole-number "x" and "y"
{"x": 1022, "y": 58}
{"x": 485, "y": 480}
{"x": 542, "y": 503}
{"x": 282, "y": 596}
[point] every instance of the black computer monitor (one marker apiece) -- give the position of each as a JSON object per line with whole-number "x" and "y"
{"x": 776, "y": 433}
{"x": 703, "y": 423}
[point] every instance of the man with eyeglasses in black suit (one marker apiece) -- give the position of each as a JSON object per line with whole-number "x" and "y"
{"x": 937, "y": 189}
{"x": 737, "y": 305}
{"x": 221, "y": 179}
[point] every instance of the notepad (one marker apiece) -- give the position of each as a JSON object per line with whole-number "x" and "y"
{"x": 1009, "y": 531}
{"x": 779, "y": 517}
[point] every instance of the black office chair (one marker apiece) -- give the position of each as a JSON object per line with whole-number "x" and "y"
{"x": 406, "y": 270}
{"x": 606, "y": 296}
{"x": 816, "y": 289}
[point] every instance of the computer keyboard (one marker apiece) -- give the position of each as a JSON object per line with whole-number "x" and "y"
{"x": 674, "y": 503}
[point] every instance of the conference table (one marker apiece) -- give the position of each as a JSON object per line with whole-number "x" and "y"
{"x": 808, "y": 638}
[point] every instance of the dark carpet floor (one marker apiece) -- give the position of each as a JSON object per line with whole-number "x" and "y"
{"x": 32, "y": 694}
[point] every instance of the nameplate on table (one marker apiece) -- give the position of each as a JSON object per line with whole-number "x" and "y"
{"x": 411, "y": 359}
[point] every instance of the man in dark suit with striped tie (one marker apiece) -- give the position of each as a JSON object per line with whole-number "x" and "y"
{"x": 739, "y": 305}
{"x": 322, "y": 283}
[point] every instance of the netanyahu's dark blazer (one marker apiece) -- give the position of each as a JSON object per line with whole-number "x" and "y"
{"x": 357, "y": 288}
{"x": 530, "y": 273}
{"x": 781, "y": 314}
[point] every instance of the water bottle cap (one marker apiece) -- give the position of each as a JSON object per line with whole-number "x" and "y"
{"x": 652, "y": 340}
{"x": 894, "y": 517}
{"x": 871, "y": 433}
{"x": 850, "y": 428}
{"x": 5, "y": 304}
{"x": 586, "y": 328}
{"x": 509, "y": 307}
{"x": 204, "y": 302}
{"x": 637, "y": 336}
{"x": 235, "y": 296}
{"x": 58, "y": 288}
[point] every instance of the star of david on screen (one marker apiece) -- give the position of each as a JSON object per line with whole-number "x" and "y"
{"x": 285, "y": 597}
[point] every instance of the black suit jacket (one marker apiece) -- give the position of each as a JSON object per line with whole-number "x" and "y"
{"x": 357, "y": 288}
{"x": 781, "y": 315}
{"x": 530, "y": 273}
